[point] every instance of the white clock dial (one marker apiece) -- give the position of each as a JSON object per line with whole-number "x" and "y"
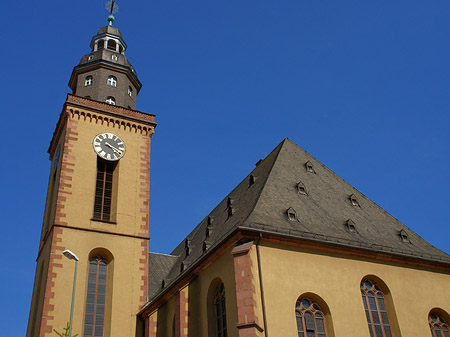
{"x": 109, "y": 146}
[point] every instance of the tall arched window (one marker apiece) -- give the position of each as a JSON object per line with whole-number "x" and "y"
{"x": 376, "y": 310}
{"x": 88, "y": 81}
{"x": 220, "y": 312}
{"x": 95, "y": 298}
{"x": 439, "y": 328}
{"x": 112, "y": 81}
{"x": 310, "y": 319}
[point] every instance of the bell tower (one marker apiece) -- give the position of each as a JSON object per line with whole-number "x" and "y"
{"x": 97, "y": 201}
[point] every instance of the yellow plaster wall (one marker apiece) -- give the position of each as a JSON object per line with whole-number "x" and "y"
{"x": 222, "y": 268}
{"x": 129, "y": 202}
{"x": 166, "y": 315}
{"x": 126, "y": 272}
{"x": 290, "y": 272}
{"x": 126, "y": 282}
{"x": 38, "y": 292}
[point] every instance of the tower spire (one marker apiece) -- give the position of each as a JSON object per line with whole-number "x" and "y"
{"x": 112, "y": 8}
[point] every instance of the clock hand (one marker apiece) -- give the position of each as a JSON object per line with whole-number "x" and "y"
{"x": 113, "y": 148}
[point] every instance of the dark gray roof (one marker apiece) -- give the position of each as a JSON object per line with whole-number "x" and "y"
{"x": 159, "y": 266}
{"x": 322, "y": 207}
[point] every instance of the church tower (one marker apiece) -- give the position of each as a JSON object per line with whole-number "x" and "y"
{"x": 97, "y": 201}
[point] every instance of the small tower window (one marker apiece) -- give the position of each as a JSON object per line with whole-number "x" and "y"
{"x": 112, "y": 81}
{"x": 88, "y": 81}
{"x": 111, "y": 44}
{"x": 114, "y": 57}
{"x": 101, "y": 44}
{"x": 90, "y": 57}
{"x": 130, "y": 91}
{"x": 111, "y": 100}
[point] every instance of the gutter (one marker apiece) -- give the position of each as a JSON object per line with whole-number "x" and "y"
{"x": 261, "y": 287}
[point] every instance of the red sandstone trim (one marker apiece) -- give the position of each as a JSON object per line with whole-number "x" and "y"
{"x": 181, "y": 314}
{"x": 118, "y": 110}
{"x": 247, "y": 325}
{"x": 53, "y": 265}
{"x": 67, "y": 169}
{"x": 151, "y": 327}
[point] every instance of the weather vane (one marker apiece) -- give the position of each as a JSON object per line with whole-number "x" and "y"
{"x": 112, "y": 8}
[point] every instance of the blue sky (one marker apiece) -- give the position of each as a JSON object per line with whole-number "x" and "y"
{"x": 363, "y": 86}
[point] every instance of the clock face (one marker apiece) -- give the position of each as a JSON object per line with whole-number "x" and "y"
{"x": 109, "y": 146}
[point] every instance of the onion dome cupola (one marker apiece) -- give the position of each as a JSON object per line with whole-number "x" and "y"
{"x": 105, "y": 74}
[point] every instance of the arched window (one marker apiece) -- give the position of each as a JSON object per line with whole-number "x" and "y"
{"x": 88, "y": 81}
{"x": 220, "y": 312}
{"x": 112, "y": 81}
{"x": 310, "y": 319}
{"x": 376, "y": 310}
{"x": 111, "y": 44}
{"x": 111, "y": 100}
{"x": 439, "y": 328}
{"x": 95, "y": 298}
{"x": 130, "y": 91}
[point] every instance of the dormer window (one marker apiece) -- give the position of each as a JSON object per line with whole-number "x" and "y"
{"x": 309, "y": 167}
{"x": 130, "y": 91}
{"x": 354, "y": 201}
{"x": 111, "y": 100}
{"x": 114, "y": 57}
{"x": 291, "y": 214}
{"x": 301, "y": 189}
{"x": 351, "y": 226}
{"x": 88, "y": 81}
{"x": 112, "y": 81}
{"x": 404, "y": 236}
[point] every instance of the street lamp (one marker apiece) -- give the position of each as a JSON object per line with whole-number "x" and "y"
{"x": 71, "y": 256}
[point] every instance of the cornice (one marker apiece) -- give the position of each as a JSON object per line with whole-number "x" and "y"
{"x": 239, "y": 233}
{"x": 82, "y": 68}
{"x": 99, "y": 112}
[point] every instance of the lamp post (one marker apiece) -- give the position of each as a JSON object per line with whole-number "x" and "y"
{"x": 71, "y": 256}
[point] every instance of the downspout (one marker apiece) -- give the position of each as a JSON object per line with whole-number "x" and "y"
{"x": 266, "y": 333}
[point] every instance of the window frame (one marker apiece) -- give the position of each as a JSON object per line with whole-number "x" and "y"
{"x": 439, "y": 323}
{"x": 103, "y": 195}
{"x": 112, "y": 81}
{"x": 110, "y": 100}
{"x": 314, "y": 310}
{"x": 377, "y": 294}
{"x": 220, "y": 312}
{"x": 95, "y": 317}
{"x": 88, "y": 81}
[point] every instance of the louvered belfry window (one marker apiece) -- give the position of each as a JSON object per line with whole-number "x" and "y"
{"x": 310, "y": 319}
{"x": 220, "y": 312}
{"x": 103, "y": 190}
{"x": 439, "y": 328}
{"x": 95, "y": 299}
{"x": 376, "y": 310}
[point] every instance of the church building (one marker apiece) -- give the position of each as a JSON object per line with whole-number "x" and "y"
{"x": 293, "y": 250}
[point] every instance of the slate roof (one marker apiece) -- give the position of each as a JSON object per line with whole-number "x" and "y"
{"x": 291, "y": 193}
